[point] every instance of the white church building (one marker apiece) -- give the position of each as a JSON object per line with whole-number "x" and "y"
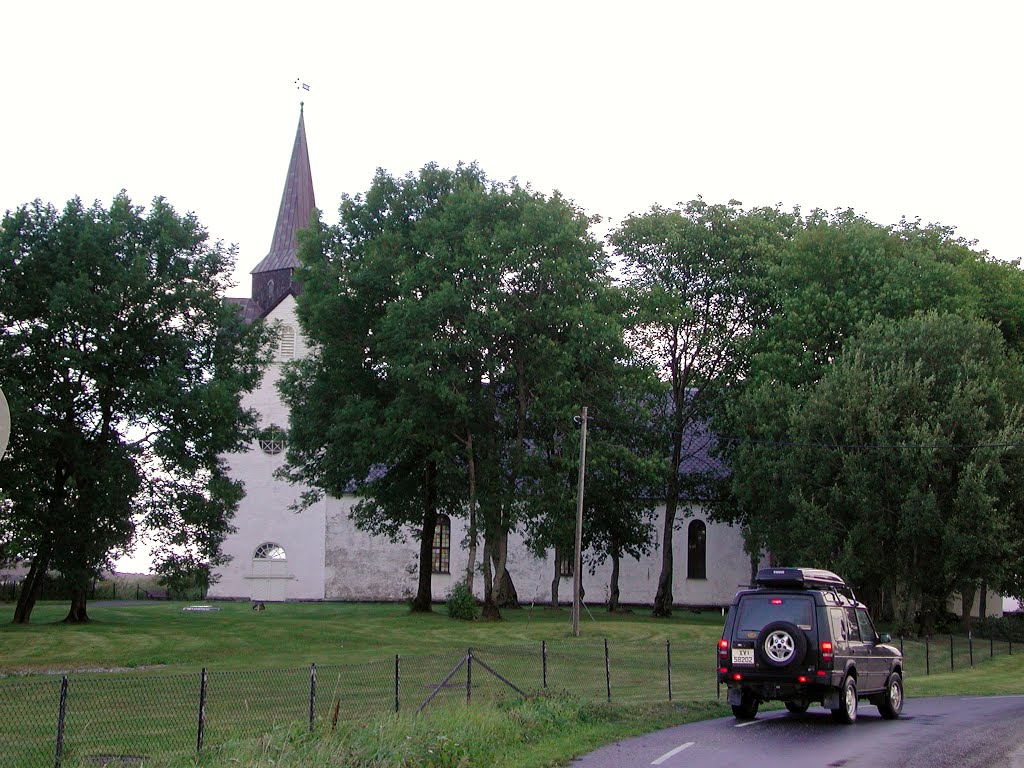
{"x": 319, "y": 554}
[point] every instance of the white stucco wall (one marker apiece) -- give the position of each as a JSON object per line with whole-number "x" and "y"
{"x": 264, "y": 515}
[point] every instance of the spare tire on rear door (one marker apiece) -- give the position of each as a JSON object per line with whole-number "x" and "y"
{"x": 781, "y": 644}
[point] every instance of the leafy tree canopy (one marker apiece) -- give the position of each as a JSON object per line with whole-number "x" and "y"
{"x": 124, "y": 368}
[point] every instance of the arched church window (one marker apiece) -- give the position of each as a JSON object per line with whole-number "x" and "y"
{"x": 273, "y": 440}
{"x": 286, "y": 343}
{"x": 696, "y": 550}
{"x": 441, "y": 551}
{"x": 270, "y": 551}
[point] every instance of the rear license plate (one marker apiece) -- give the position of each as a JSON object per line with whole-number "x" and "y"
{"x": 742, "y": 655}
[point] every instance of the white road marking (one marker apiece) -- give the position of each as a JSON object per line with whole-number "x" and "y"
{"x": 1005, "y": 696}
{"x": 673, "y": 753}
{"x": 755, "y": 722}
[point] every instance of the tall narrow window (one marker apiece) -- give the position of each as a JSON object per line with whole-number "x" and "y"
{"x": 696, "y": 550}
{"x": 564, "y": 562}
{"x": 441, "y": 551}
{"x": 286, "y": 343}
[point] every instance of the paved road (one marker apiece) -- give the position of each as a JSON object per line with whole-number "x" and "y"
{"x": 947, "y": 732}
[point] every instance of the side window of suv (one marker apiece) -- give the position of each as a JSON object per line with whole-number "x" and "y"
{"x": 853, "y": 628}
{"x": 838, "y": 625}
{"x": 867, "y": 629}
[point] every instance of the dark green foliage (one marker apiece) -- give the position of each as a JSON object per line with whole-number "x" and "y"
{"x": 891, "y": 433}
{"x": 458, "y": 324}
{"x": 460, "y": 602}
{"x": 124, "y": 368}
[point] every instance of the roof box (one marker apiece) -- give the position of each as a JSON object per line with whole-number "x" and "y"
{"x": 801, "y": 578}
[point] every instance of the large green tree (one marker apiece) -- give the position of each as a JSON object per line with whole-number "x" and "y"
{"x": 839, "y": 274}
{"x": 903, "y": 463}
{"x": 124, "y": 369}
{"x": 695, "y": 276}
{"x": 456, "y": 323}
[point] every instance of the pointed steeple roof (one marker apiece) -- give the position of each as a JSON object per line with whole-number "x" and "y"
{"x": 297, "y": 204}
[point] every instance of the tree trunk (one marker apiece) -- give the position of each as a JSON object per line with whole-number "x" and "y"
{"x": 663, "y": 599}
{"x": 506, "y": 596}
{"x": 472, "y": 533}
{"x": 490, "y": 607}
{"x": 31, "y": 588}
{"x": 77, "y": 614}
{"x": 613, "y": 591}
{"x": 422, "y": 602}
{"x": 557, "y": 580}
{"x": 967, "y": 595}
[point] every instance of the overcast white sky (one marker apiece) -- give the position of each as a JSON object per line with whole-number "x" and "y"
{"x": 890, "y": 108}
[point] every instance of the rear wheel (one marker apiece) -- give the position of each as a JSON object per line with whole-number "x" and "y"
{"x": 747, "y": 708}
{"x": 891, "y": 706}
{"x": 797, "y": 707}
{"x": 846, "y": 712}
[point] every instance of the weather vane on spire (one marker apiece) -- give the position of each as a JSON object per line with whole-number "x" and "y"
{"x": 299, "y": 85}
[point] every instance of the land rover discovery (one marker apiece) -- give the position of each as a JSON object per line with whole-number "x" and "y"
{"x": 800, "y": 636}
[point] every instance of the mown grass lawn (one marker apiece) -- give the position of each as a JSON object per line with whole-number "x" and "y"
{"x": 294, "y": 634}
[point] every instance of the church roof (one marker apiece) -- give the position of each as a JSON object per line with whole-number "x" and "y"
{"x": 297, "y": 204}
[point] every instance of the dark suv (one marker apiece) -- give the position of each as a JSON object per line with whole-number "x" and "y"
{"x": 800, "y": 636}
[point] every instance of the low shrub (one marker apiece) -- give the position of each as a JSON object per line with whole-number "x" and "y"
{"x": 460, "y": 601}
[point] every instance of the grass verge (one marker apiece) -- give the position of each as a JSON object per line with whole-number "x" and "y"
{"x": 535, "y": 733}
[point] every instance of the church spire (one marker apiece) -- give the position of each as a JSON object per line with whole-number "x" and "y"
{"x": 297, "y": 204}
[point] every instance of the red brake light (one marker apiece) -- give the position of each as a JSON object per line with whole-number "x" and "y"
{"x": 776, "y": 601}
{"x": 802, "y": 679}
{"x": 737, "y": 676}
{"x": 723, "y": 648}
{"x": 723, "y": 670}
{"x": 826, "y": 650}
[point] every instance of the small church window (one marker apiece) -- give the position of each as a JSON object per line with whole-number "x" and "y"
{"x": 441, "y": 551}
{"x": 273, "y": 440}
{"x": 270, "y": 551}
{"x": 564, "y": 562}
{"x": 286, "y": 343}
{"x": 697, "y": 550}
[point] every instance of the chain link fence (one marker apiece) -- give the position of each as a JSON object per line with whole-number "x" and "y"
{"x": 135, "y": 718}
{"x": 149, "y": 718}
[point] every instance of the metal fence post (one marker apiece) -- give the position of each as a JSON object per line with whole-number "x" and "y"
{"x": 927, "y": 656}
{"x": 396, "y": 682}
{"x": 991, "y": 646}
{"x": 970, "y": 645}
{"x": 607, "y": 671}
{"x": 951, "y": 654}
{"x": 312, "y": 696}
{"x": 901, "y": 645}
{"x": 62, "y": 709}
{"x": 668, "y": 666}
{"x": 202, "y": 711}
{"x": 469, "y": 674}
{"x": 544, "y": 661}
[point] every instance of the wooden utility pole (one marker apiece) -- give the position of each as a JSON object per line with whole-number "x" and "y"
{"x": 577, "y": 575}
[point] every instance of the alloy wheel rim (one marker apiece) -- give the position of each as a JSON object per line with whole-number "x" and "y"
{"x": 779, "y": 646}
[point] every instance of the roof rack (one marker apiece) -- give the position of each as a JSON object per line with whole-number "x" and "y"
{"x": 803, "y": 578}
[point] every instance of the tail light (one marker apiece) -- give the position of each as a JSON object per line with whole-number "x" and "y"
{"x": 723, "y": 649}
{"x": 826, "y": 651}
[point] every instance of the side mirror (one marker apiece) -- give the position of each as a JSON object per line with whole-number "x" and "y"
{"x": 885, "y": 638}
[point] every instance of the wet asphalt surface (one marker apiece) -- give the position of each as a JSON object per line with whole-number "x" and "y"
{"x": 946, "y": 732}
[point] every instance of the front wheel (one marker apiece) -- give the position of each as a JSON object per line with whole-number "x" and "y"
{"x": 846, "y": 712}
{"x": 747, "y": 708}
{"x": 892, "y": 705}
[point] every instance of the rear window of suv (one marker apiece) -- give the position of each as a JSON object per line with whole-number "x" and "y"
{"x": 757, "y": 611}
